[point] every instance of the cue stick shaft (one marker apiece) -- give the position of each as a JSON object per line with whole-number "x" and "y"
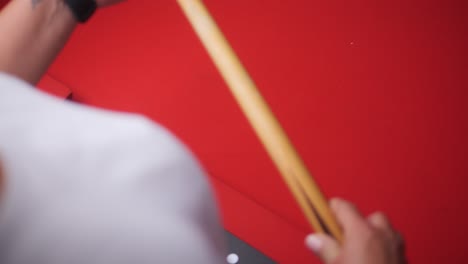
{"x": 262, "y": 119}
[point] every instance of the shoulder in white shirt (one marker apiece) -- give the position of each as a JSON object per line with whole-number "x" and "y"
{"x": 85, "y": 185}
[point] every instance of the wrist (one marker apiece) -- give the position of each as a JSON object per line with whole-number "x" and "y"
{"x": 60, "y": 11}
{"x": 49, "y": 13}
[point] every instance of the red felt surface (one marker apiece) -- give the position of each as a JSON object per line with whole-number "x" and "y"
{"x": 3, "y": 3}
{"x": 372, "y": 93}
{"x": 52, "y": 86}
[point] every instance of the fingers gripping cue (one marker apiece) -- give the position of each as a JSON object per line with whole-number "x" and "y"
{"x": 266, "y": 126}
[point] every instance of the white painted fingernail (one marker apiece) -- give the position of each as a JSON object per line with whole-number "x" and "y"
{"x": 314, "y": 243}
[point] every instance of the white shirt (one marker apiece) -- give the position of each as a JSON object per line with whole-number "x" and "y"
{"x": 86, "y": 186}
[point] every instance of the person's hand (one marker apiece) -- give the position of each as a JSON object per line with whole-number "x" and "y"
{"x": 366, "y": 241}
{"x": 108, "y": 2}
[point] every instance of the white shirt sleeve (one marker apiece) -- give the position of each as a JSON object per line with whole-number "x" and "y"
{"x": 91, "y": 186}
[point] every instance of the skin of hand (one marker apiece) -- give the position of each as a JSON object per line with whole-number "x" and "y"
{"x": 366, "y": 241}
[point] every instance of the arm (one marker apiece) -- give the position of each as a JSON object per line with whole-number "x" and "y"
{"x": 32, "y": 33}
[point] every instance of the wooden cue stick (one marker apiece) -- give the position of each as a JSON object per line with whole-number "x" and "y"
{"x": 267, "y": 127}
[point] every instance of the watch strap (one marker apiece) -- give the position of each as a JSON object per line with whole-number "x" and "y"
{"x": 83, "y": 10}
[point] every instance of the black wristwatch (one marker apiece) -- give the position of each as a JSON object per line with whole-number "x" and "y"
{"x": 82, "y": 9}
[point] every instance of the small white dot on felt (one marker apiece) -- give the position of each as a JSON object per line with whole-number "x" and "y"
{"x": 232, "y": 258}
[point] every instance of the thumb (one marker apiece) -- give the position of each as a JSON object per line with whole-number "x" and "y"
{"x": 324, "y": 246}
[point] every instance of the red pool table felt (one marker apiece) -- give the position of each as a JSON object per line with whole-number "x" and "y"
{"x": 372, "y": 93}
